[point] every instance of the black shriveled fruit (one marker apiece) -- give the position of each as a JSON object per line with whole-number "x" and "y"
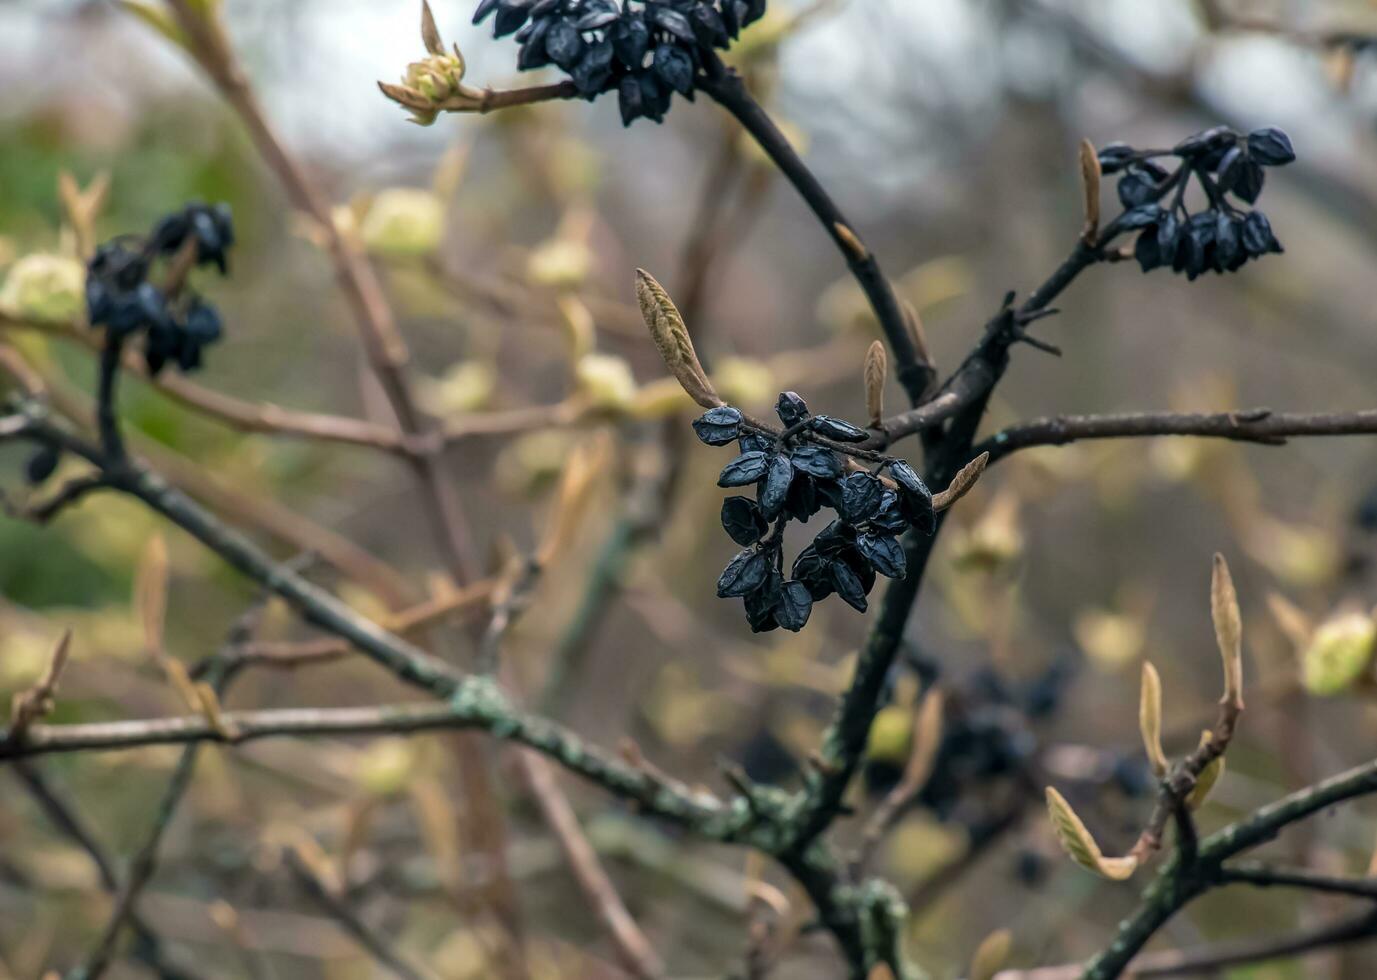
{"x": 1230, "y": 169}
{"x": 41, "y": 465}
{"x": 177, "y": 324}
{"x": 718, "y": 426}
{"x": 796, "y": 474}
{"x": 644, "y": 53}
{"x": 743, "y": 521}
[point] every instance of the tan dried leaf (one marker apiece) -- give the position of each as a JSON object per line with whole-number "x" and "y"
{"x": 1291, "y": 620}
{"x": 672, "y": 339}
{"x": 927, "y": 739}
{"x": 150, "y": 594}
{"x": 208, "y": 703}
{"x": 180, "y": 678}
{"x": 916, "y": 333}
{"x": 1090, "y": 184}
{"x": 439, "y": 825}
{"x": 991, "y": 955}
{"x": 1150, "y": 719}
{"x": 573, "y": 495}
{"x": 1080, "y": 845}
{"x": 83, "y": 207}
{"x": 876, "y": 370}
{"x": 29, "y": 705}
{"x": 1228, "y": 630}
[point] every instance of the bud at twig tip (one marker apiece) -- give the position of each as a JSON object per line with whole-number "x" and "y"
{"x": 1080, "y": 845}
{"x": 1150, "y": 719}
{"x": 876, "y": 370}
{"x": 1228, "y": 630}
{"x": 1090, "y": 184}
{"x": 430, "y": 34}
{"x": 916, "y": 333}
{"x": 672, "y": 339}
{"x": 961, "y": 484}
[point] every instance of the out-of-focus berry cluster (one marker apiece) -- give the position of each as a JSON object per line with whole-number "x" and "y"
{"x": 795, "y": 476}
{"x": 175, "y": 321}
{"x": 1221, "y": 236}
{"x": 645, "y": 51}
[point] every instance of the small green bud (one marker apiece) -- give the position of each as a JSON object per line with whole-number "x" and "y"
{"x": 44, "y": 287}
{"x": 1339, "y": 653}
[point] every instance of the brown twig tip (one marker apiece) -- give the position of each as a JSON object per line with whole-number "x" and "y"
{"x": 30, "y": 705}
{"x": 1228, "y": 631}
{"x": 1090, "y": 185}
{"x": 876, "y": 370}
{"x": 854, "y": 246}
{"x": 913, "y": 323}
{"x": 672, "y": 339}
{"x": 961, "y": 484}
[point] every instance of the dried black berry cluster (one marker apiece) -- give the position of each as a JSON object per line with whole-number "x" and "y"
{"x": 796, "y": 474}
{"x": 647, "y": 51}
{"x": 120, "y": 297}
{"x": 1221, "y": 237}
{"x": 989, "y": 735}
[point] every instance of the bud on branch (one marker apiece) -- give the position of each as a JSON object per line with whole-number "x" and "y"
{"x": 672, "y": 339}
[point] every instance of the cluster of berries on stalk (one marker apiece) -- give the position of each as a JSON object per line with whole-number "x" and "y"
{"x": 796, "y": 473}
{"x": 1220, "y": 237}
{"x": 176, "y": 322}
{"x": 645, "y": 50}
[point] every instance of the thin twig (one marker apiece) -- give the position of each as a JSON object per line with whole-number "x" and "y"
{"x": 145, "y": 861}
{"x": 376, "y": 945}
{"x": 1212, "y": 959}
{"x": 476, "y": 704}
{"x": 725, "y": 86}
{"x": 633, "y": 949}
{"x": 148, "y": 946}
{"x": 1258, "y": 425}
{"x": 1262, "y": 876}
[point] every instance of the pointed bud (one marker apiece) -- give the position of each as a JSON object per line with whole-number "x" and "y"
{"x": 991, "y": 955}
{"x": 672, "y": 339}
{"x": 961, "y": 484}
{"x": 430, "y": 34}
{"x": 1150, "y": 719}
{"x": 1077, "y": 842}
{"x": 1228, "y": 630}
{"x": 876, "y": 368}
{"x": 1207, "y": 778}
{"x": 927, "y": 739}
{"x": 1090, "y": 184}
{"x": 150, "y": 593}
{"x": 916, "y": 333}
